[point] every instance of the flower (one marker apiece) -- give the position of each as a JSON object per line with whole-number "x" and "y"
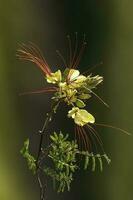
{"x": 81, "y": 117}
{"x": 75, "y": 79}
{"x": 54, "y": 77}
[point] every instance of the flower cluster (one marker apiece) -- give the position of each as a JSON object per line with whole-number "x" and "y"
{"x": 74, "y": 89}
{"x": 68, "y": 86}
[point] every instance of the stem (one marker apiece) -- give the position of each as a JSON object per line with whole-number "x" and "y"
{"x": 47, "y": 120}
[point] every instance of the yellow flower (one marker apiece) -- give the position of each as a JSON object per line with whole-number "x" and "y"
{"x": 54, "y": 77}
{"x": 81, "y": 116}
{"x": 74, "y": 75}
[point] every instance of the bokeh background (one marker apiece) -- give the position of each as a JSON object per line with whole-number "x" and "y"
{"x": 109, "y": 30}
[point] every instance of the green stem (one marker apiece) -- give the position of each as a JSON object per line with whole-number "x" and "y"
{"x": 41, "y": 185}
{"x": 48, "y": 119}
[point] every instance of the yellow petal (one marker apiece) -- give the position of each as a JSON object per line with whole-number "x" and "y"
{"x": 73, "y": 74}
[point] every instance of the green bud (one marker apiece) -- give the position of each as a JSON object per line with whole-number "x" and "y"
{"x": 80, "y": 103}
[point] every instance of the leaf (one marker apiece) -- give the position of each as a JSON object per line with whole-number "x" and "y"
{"x": 93, "y": 162}
{"x": 84, "y": 96}
{"x": 25, "y": 148}
{"x": 31, "y": 161}
{"x": 80, "y": 103}
{"x": 86, "y": 162}
{"x": 107, "y": 158}
{"x": 63, "y": 156}
{"x": 65, "y": 74}
{"x": 100, "y": 162}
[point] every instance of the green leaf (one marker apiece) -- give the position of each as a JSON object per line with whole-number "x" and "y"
{"x": 107, "y": 158}
{"x": 25, "y": 148}
{"x": 31, "y": 161}
{"x": 80, "y": 103}
{"x": 65, "y": 74}
{"x": 86, "y": 162}
{"x": 63, "y": 156}
{"x": 84, "y": 96}
{"x": 100, "y": 162}
{"x": 93, "y": 162}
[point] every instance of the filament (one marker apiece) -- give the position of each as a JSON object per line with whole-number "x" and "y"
{"x": 93, "y": 140}
{"x": 62, "y": 58}
{"x": 75, "y": 50}
{"x": 70, "y": 50}
{"x": 98, "y": 97}
{"x": 113, "y": 127}
{"x": 87, "y": 139}
{"x": 78, "y": 134}
{"x": 83, "y": 138}
{"x": 92, "y": 68}
{"x": 37, "y": 50}
{"x": 29, "y": 53}
{"x": 44, "y": 90}
{"x": 80, "y": 53}
{"x": 93, "y": 131}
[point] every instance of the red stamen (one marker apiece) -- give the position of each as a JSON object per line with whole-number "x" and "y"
{"x": 40, "y": 91}
{"x": 75, "y": 50}
{"x": 30, "y": 53}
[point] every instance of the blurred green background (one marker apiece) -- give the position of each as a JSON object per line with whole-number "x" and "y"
{"x": 109, "y": 29}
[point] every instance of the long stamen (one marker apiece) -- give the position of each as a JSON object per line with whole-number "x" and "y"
{"x": 93, "y": 140}
{"x": 23, "y": 55}
{"x": 83, "y": 138}
{"x": 92, "y": 68}
{"x": 79, "y": 139}
{"x": 80, "y": 54}
{"x": 113, "y": 127}
{"x": 29, "y": 57}
{"x": 27, "y": 52}
{"x": 88, "y": 143}
{"x": 62, "y": 58}
{"x": 34, "y": 51}
{"x": 95, "y": 135}
{"x": 40, "y": 91}
{"x": 37, "y": 50}
{"x": 70, "y": 50}
{"x": 27, "y": 48}
{"x": 75, "y": 50}
{"x": 98, "y": 97}
{"x": 75, "y": 138}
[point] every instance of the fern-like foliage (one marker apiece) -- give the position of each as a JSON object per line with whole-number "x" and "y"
{"x": 30, "y": 159}
{"x": 64, "y": 155}
{"x": 91, "y": 159}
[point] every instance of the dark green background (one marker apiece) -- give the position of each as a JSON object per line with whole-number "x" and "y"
{"x": 109, "y": 30}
